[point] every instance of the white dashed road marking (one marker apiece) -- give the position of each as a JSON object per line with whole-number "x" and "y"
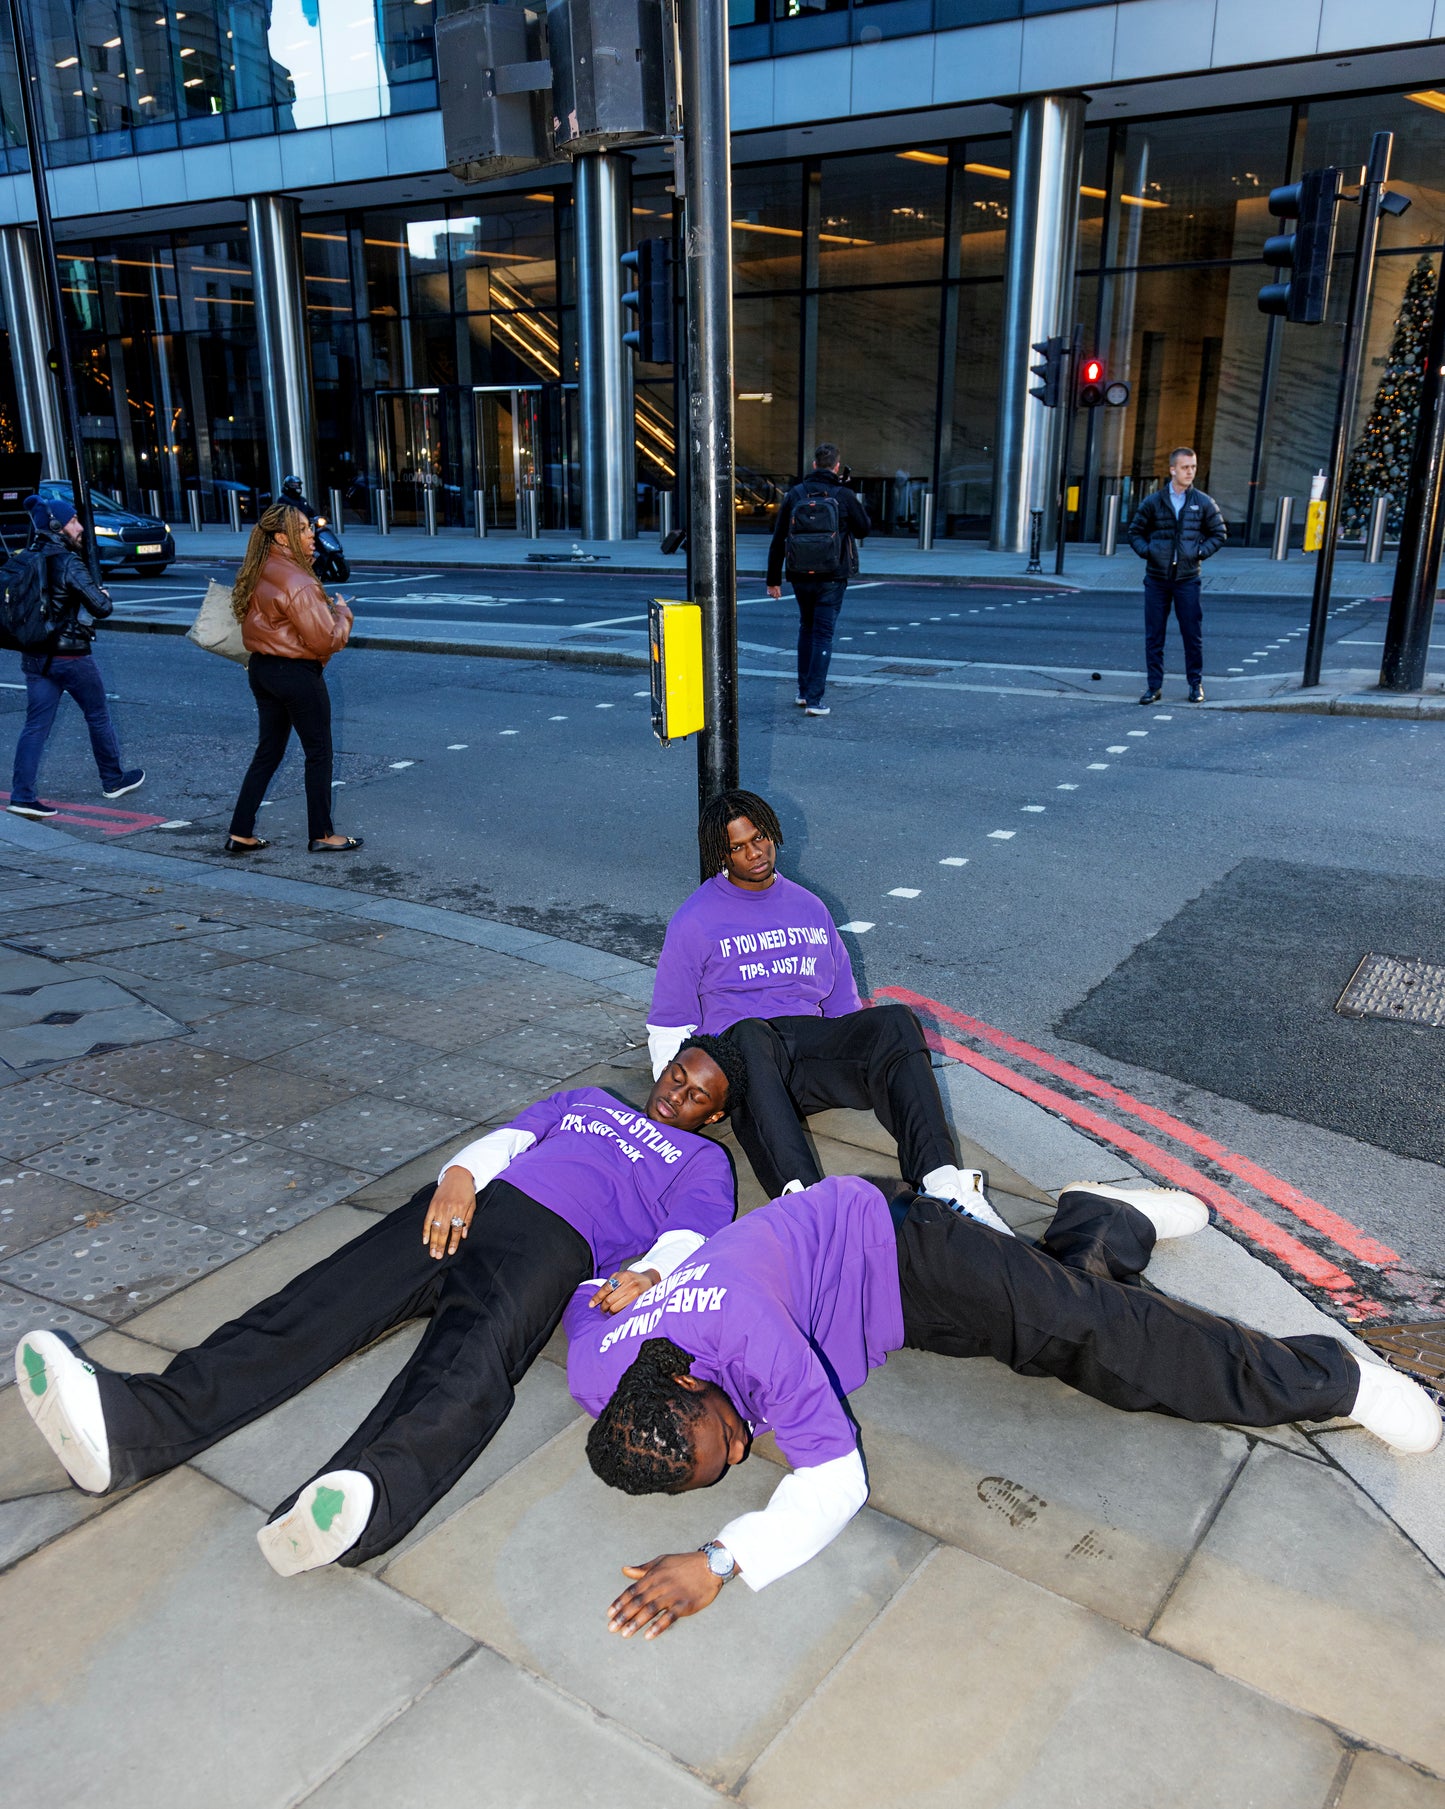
{"x": 954, "y": 860}
{"x": 1116, "y": 750}
{"x": 904, "y": 892}
{"x": 398, "y": 766}
{"x": 510, "y": 731}
{"x": 1035, "y": 809}
{"x": 1066, "y": 788}
{"x": 856, "y": 929}
{"x": 455, "y": 747}
{"x": 1001, "y": 835}
{"x": 1098, "y": 766}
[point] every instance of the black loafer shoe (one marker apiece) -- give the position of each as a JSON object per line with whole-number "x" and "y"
{"x": 1196, "y": 694}
{"x": 1152, "y": 697}
{"x": 352, "y": 841}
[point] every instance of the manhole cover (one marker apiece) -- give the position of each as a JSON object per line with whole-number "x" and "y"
{"x": 1386, "y": 986}
{"x": 1418, "y": 1349}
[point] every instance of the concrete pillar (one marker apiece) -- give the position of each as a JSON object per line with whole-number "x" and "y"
{"x": 22, "y": 286}
{"x": 1047, "y": 165}
{"x": 603, "y": 198}
{"x": 274, "y": 224}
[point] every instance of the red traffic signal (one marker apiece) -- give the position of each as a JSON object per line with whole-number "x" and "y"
{"x": 1095, "y": 389}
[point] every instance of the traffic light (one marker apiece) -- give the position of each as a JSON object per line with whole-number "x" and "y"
{"x": 1095, "y": 388}
{"x": 1049, "y": 370}
{"x": 1306, "y": 253}
{"x": 651, "y": 299}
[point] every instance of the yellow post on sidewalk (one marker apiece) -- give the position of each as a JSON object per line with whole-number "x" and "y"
{"x": 674, "y": 633}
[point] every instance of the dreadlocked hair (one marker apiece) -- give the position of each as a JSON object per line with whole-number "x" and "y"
{"x": 725, "y": 1052}
{"x": 725, "y": 808}
{"x": 641, "y": 1442}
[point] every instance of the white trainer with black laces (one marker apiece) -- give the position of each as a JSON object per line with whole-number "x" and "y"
{"x": 328, "y": 1517}
{"x": 62, "y": 1396}
{"x": 962, "y": 1189}
{"x": 1170, "y": 1210}
{"x": 1398, "y": 1411}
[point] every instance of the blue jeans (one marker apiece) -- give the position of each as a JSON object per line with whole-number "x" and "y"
{"x": 1159, "y": 594}
{"x": 80, "y": 676}
{"x": 818, "y": 606}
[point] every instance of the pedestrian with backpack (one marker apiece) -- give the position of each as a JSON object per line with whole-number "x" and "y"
{"x": 42, "y": 592}
{"x": 815, "y": 542}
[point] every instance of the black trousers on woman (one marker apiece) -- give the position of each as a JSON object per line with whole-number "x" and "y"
{"x": 290, "y": 694}
{"x": 1070, "y": 1307}
{"x": 492, "y": 1306}
{"x": 873, "y": 1061}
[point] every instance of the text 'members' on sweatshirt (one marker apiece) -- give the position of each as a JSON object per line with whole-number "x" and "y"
{"x": 616, "y": 1177}
{"x": 732, "y": 954}
{"x": 786, "y": 1310}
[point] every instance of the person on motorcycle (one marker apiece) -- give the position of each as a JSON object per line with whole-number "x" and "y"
{"x": 330, "y": 562}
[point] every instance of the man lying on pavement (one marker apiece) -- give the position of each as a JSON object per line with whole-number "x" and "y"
{"x": 773, "y": 1321}
{"x": 752, "y": 952}
{"x": 573, "y": 1187}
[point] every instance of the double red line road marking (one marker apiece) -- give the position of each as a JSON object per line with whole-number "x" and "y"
{"x": 99, "y": 816}
{"x": 1281, "y": 1244}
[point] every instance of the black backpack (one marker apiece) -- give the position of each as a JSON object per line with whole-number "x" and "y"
{"x": 816, "y": 547}
{"x": 26, "y": 625}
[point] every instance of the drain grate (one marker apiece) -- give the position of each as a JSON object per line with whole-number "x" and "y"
{"x": 1417, "y": 1349}
{"x": 1402, "y": 989}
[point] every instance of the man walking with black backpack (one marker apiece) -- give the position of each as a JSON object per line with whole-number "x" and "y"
{"x": 815, "y": 541}
{"x": 55, "y": 653}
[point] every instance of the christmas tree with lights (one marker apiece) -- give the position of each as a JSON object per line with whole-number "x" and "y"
{"x": 1380, "y": 461}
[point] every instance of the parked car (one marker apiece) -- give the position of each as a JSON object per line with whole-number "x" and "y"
{"x": 123, "y": 539}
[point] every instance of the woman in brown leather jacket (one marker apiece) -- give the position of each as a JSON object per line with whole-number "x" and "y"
{"x": 291, "y": 628}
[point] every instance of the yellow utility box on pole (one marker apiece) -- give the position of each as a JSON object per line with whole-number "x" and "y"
{"x": 674, "y": 633}
{"x": 1315, "y": 515}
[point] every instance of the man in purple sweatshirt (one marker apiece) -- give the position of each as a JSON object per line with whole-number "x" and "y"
{"x": 775, "y": 1320}
{"x": 752, "y": 953}
{"x": 578, "y": 1185}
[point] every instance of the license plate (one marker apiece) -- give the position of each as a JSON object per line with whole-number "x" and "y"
{"x": 148, "y": 549}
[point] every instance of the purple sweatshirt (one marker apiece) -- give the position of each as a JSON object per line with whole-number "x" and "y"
{"x": 732, "y": 954}
{"x": 618, "y": 1179}
{"x": 786, "y": 1310}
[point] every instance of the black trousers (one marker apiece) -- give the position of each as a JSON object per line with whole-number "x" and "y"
{"x": 290, "y": 694}
{"x": 1182, "y": 594}
{"x": 1070, "y": 1307}
{"x": 818, "y": 609}
{"x": 492, "y": 1307}
{"x": 870, "y": 1060}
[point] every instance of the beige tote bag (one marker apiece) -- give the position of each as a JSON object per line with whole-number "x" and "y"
{"x": 215, "y": 628}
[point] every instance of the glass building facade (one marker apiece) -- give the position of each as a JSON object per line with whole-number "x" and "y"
{"x": 869, "y": 289}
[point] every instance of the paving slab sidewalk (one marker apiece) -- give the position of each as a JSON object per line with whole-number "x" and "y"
{"x": 1044, "y": 1602}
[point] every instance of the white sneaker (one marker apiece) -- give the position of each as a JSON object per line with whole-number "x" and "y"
{"x": 1171, "y": 1211}
{"x": 329, "y": 1516}
{"x": 801, "y": 702}
{"x": 62, "y": 1396}
{"x": 963, "y": 1190}
{"x": 1396, "y": 1410}
{"x": 817, "y": 710}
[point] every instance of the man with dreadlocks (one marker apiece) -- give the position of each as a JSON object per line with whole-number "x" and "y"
{"x": 753, "y": 953}
{"x": 575, "y": 1186}
{"x": 776, "y": 1319}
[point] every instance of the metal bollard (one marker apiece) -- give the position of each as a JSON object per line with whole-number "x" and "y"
{"x": 1283, "y": 518}
{"x": 383, "y": 513}
{"x": 479, "y": 504}
{"x": 429, "y": 510}
{"x": 1036, "y": 541}
{"x": 153, "y": 501}
{"x": 1375, "y": 537}
{"x": 193, "y": 508}
{"x": 534, "y": 513}
{"x": 334, "y": 502}
{"x": 233, "y": 509}
{"x": 925, "y": 522}
{"x": 1109, "y": 532}
{"x": 664, "y": 514}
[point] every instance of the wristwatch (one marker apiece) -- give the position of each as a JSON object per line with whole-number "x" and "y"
{"x": 720, "y": 1561}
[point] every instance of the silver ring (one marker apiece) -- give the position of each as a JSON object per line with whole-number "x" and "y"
{"x": 459, "y": 1221}
{"x": 612, "y": 1281}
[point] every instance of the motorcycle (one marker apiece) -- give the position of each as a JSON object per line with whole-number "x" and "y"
{"x": 329, "y": 560}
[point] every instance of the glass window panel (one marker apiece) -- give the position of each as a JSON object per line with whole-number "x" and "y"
{"x": 1198, "y": 188}
{"x": 767, "y": 226}
{"x": 1339, "y": 132}
{"x": 144, "y": 285}
{"x": 504, "y": 255}
{"x": 216, "y": 290}
{"x": 1093, "y": 194}
{"x": 326, "y": 263}
{"x": 985, "y": 178}
{"x": 965, "y": 502}
{"x": 765, "y": 372}
{"x": 877, "y": 387}
{"x": 882, "y": 217}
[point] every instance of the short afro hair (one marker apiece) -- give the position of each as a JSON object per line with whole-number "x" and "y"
{"x": 725, "y": 1052}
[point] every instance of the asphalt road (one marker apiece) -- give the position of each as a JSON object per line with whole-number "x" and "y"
{"x": 1007, "y": 853}
{"x": 1091, "y": 637}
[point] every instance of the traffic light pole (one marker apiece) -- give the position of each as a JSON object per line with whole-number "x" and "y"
{"x": 1376, "y": 176}
{"x": 703, "y": 55}
{"x": 1417, "y": 571}
{"x": 59, "y": 337}
{"x": 1066, "y": 443}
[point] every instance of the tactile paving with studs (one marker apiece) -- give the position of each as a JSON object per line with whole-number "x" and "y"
{"x": 40, "y": 1113}
{"x": 133, "y": 1155}
{"x": 21, "y": 1313}
{"x": 116, "y": 1269}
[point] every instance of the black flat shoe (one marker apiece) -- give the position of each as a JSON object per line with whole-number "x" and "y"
{"x": 235, "y": 847}
{"x": 352, "y": 841}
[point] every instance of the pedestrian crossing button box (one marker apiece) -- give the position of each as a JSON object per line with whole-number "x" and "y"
{"x": 674, "y": 635}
